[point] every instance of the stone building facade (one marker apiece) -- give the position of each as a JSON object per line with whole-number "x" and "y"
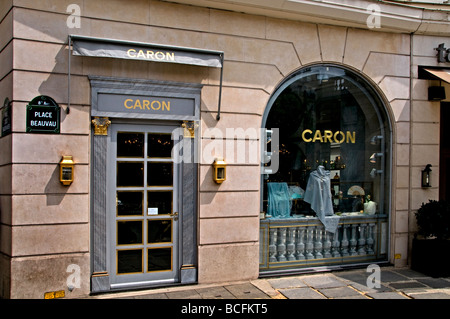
{"x": 62, "y": 238}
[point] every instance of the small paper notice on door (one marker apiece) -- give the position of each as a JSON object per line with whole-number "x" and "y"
{"x": 152, "y": 211}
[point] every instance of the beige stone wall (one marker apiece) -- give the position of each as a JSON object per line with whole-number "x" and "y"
{"x": 286, "y": 46}
{"x": 5, "y": 148}
{"x": 49, "y": 223}
{"x": 424, "y": 136}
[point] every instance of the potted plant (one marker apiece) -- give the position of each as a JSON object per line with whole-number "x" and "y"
{"x": 430, "y": 253}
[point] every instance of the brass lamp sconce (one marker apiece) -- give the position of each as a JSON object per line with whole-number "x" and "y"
{"x": 66, "y": 166}
{"x": 426, "y": 176}
{"x": 436, "y": 93}
{"x": 374, "y": 157}
{"x": 220, "y": 170}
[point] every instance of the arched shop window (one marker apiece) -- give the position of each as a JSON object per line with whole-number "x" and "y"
{"x": 333, "y": 142}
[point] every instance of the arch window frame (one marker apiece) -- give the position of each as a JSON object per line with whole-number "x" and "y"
{"x": 379, "y": 106}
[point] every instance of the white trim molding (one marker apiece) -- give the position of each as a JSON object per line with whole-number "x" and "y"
{"x": 395, "y": 16}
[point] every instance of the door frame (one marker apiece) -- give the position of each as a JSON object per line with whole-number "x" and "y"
{"x": 188, "y": 170}
{"x": 138, "y": 279}
{"x": 444, "y": 154}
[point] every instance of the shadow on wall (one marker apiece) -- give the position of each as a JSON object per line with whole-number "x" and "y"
{"x": 54, "y": 191}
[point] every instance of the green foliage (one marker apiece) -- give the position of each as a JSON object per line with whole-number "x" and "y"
{"x": 433, "y": 219}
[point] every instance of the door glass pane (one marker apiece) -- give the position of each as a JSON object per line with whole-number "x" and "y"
{"x": 160, "y": 145}
{"x": 129, "y": 261}
{"x": 130, "y": 174}
{"x": 129, "y": 232}
{"x": 160, "y": 203}
{"x": 130, "y": 145}
{"x": 144, "y": 235}
{"x": 160, "y": 231}
{"x": 129, "y": 203}
{"x": 159, "y": 259}
{"x": 160, "y": 174}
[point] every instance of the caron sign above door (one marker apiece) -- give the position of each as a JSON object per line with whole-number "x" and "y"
{"x": 144, "y": 99}
{"x": 134, "y": 98}
{"x": 140, "y": 104}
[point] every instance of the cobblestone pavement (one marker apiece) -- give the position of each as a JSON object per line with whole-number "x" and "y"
{"x": 394, "y": 283}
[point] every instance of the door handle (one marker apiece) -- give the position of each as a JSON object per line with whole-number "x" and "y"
{"x": 174, "y": 215}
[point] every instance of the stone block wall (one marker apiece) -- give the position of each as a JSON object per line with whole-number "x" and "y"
{"x": 45, "y": 226}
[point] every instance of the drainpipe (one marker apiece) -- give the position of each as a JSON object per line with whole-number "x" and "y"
{"x": 411, "y": 87}
{"x": 411, "y": 102}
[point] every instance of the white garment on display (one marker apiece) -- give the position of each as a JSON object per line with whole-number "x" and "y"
{"x": 318, "y": 194}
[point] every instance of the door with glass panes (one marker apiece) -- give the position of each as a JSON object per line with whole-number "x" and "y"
{"x": 143, "y": 205}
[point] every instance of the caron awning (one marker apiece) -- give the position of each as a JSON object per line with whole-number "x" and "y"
{"x": 109, "y": 48}
{"x": 434, "y": 73}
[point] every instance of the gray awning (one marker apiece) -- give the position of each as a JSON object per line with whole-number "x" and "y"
{"x": 109, "y": 48}
{"x": 96, "y": 47}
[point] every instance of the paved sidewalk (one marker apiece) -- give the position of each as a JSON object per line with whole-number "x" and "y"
{"x": 395, "y": 283}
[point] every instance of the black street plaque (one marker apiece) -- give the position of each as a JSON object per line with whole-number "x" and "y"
{"x": 6, "y": 118}
{"x": 43, "y": 116}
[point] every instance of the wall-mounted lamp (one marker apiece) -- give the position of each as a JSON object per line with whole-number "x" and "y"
{"x": 374, "y": 172}
{"x": 323, "y": 76}
{"x": 267, "y": 154}
{"x": 436, "y": 93}
{"x": 66, "y": 166}
{"x": 220, "y": 170}
{"x": 426, "y": 176}
{"x": 269, "y": 134}
{"x": 373, "y": 157}
{"x": 374, "y": 140}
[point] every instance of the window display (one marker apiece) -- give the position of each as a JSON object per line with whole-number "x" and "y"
{"x": 329, "y": 123}
{"x": 328, "y": 202}
{"x": 318, "y": 195}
